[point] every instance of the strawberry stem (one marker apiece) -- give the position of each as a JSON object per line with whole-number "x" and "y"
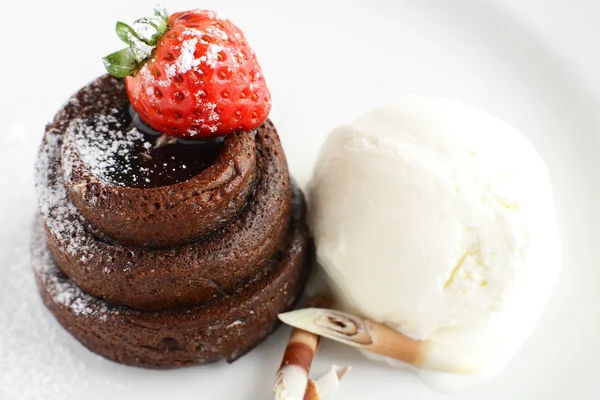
{"x": 141, "y": 39}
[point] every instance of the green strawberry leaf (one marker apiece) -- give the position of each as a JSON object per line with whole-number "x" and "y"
{"x": 121, "y": 63}
{"x": 150, "y": 29}
{"x": 141, "y": 39}
{"x": 124, "y": 31}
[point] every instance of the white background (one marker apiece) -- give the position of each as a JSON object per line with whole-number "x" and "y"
{"x": 533, "y": 63}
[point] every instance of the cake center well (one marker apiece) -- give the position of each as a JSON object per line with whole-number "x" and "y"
{"x": 118, "y": 148}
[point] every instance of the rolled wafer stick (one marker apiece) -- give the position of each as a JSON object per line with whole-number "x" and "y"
{"x": 292, "y": 377}
{"x": 364, "y": 334}
{"x": 292, "y": 382}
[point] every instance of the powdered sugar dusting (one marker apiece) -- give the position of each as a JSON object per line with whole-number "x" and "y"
{"x": 65, "y": 223}
{"x": 100, "y": 144}
{"x": 145, "y": 31}
{"x": 214, "y": 31}
{"x": 60, "y": 216}
{"x": 62, "y": 290}
{"x": 212, "y": 55}
{"x": 115, "y": 148}
{"x": 140, "y": 50}
{"x": 55, "y": 206}
{"x": 186, "y": 61}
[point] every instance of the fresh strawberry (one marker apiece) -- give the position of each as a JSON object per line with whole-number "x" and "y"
{"x": 191, "y": 75}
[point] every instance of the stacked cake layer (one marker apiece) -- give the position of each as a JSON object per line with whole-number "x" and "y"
{"x": 163, "y": 269}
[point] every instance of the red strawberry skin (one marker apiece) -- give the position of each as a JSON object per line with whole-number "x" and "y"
{"x": 202, "y": 81}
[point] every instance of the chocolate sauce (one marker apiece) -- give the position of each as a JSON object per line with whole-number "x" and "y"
{"x": 140, "y": 156}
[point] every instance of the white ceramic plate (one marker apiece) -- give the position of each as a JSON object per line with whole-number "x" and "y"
{"x": 532, "y": 64}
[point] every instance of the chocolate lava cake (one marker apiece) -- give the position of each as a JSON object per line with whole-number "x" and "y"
{"x": 162, "y": 253}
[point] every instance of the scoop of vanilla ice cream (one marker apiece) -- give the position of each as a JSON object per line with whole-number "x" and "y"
{"x": 437, "y": 218}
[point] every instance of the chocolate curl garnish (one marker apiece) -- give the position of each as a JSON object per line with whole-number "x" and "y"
{"x": 364, "y": 334}
{"x": 292, "y": 382}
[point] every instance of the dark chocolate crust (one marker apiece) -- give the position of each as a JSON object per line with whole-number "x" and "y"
{"x": 164, "y": 216}
{"x": 167, "y": 278}
{"x": 172, "y": 306}
{"x": 227, "y": 328}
